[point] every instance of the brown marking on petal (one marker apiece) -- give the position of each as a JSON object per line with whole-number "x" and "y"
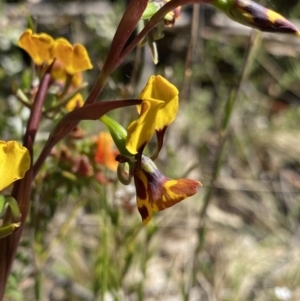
{"x": 160, "y": 140}
{"x": 284, "y": 26}
{"x": 140, "y": 186}
{"x": 157, "y": 192}
{"x": 145, "y": 214}
{"x": 154, "y": 178}
{"x": 156, "y": 181}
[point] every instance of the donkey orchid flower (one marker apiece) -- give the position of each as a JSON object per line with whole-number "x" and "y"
{"x": 155, "y": 192}
{"x": 42, "y": 49}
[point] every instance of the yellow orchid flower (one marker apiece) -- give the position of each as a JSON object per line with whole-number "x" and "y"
{"x": 14, "y": 162}
{"x": 38, "y": 46}
{"x": 42, "y": 48}
{"x": 158, "y": 109}
{"x": 74, "y": 57}
{"x": 155, "y": 192}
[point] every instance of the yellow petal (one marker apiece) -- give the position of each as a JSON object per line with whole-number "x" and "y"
{"x": 58, "y": 72}
{"x": 77, "y": 79}
{"x": 175, "y": 191}
{"x": 140, "y": 131}
{"x": 14, "y": 162}
{"x": 161, "y": 89}
{"x": 75, "y": 58}
{"x": 75, "y": 102}
{"x": 38, "y": 46}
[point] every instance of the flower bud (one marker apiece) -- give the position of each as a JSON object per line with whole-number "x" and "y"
{"x": 254, "y": 15}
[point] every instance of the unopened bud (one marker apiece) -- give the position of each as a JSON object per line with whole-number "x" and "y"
{"x": 254, "y": 15}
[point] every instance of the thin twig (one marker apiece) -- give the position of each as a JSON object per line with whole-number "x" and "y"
{"x": 254, "y": 42}
{"x": 190, "y": 56}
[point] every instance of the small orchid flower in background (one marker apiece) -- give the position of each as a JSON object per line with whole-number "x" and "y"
{"x": 155, "y": 192}
{"x": 66, "y": 73}
{"x": 68, "y": 87}
{"x": 43, "y": 49}
{"x": 38, "y": 46}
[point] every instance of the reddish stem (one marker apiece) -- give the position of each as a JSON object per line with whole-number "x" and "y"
{"x": 130, "y": 18}
{"x": 22, "y": 189}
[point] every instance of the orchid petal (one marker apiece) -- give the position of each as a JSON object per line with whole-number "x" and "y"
{"x": 14, "y": 162}
{"x": 38, "y": 46}
{"x": 141, "y": 130}
{"x": 161, "y": 89}
{"x": 74, "y": 57}
{"x": 155, "y": 192}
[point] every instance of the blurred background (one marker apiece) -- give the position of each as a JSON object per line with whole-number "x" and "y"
{"x": 238, "y": 238}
